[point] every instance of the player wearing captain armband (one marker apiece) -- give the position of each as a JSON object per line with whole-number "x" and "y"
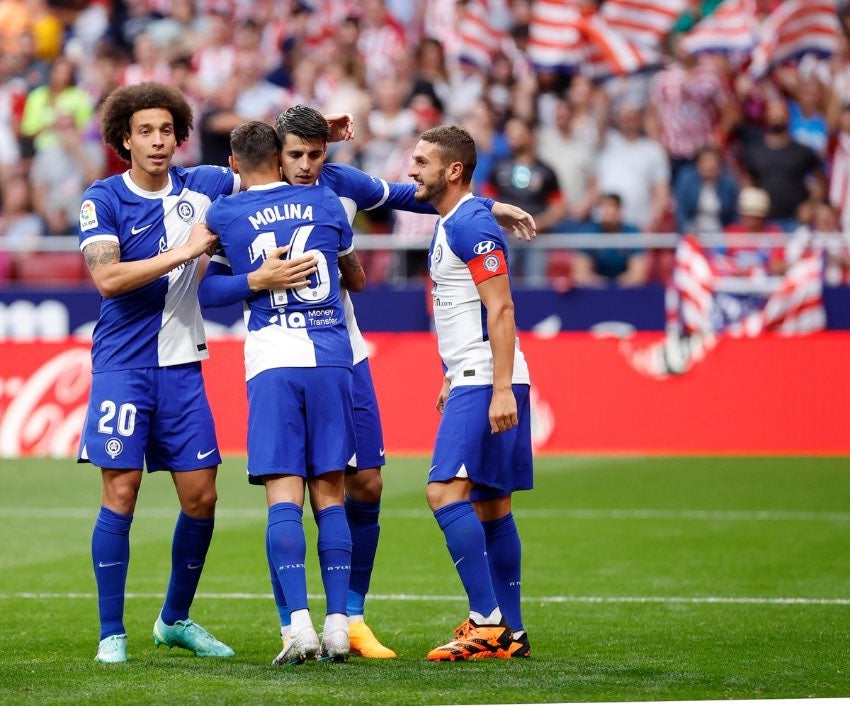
{"x": 482, "y": 453}
{"x": 298, "y": 364}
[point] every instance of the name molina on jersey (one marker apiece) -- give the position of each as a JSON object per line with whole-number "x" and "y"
{"x": 281, "y": 212}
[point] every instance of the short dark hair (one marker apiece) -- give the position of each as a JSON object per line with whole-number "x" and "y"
{"x": 304, "y": 122}
{"x": 613, "y": 197}
{"x": 123, "y": 102}
{"x": 454, "y": 144}
{"x": 254, "y": 143}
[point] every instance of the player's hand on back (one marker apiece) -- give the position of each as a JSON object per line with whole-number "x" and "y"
{"x": 519, "y": 222}
{"x": 201, "y": 240}
{"x": 341, "y": 126}
{"x": 277, "y": 273}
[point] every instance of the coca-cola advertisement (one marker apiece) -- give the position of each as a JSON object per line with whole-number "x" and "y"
{"x": 589, "y": 395}
{"x": 44, "y": 389}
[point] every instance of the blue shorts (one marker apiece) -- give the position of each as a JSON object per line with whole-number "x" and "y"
{"x": 369, "y": 439}
{"x": 300, "y": 422}
{"x": 159, "y": 417}
{"x": 497, "y": 464}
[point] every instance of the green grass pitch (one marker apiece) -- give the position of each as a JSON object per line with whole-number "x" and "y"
{"x": 644, "y": 579}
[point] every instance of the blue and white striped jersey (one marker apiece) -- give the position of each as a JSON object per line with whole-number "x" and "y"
{"x": 160, "y": 323}
{"x": 468, "y": 247}
{"x": 302, "y": 327}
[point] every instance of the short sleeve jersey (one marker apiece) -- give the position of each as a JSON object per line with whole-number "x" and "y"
{"x": 290, "y": 327}
{"x": 159, "y": 324}
{"x": 468, "y": 248}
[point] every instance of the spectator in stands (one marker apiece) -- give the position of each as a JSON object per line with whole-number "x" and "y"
{"x": 690, "y": 106}
{"x": 131, "y": 18}
{"x": 389, "y": 122}
{"x": 11, "y": 95}
{"x": 524, "y": 180}
{"x": 590, "y": 110}
{"x": 739, "y": 258}
{"x": 490, "y": 142}
{"x": 382, "y": 42}
{"x": 574, "y": 161}
{"x": 20, "y": 228}
{"x": 24, "y": 64}
{"x": 341, "y": 83}
{"x": 60, "y": 96}
{"x": 219, "y": 118}
{"x": 258, "y": 99}
{"x": 839, "y": 178}
{"x": 180, "y": 32}
{"x": 103, "y": 74}
{"x": 148, "y": 62}
{"x": 15, "y": 19}
{"x": 789, "y": 172}
{"x": 214, "y": 61}
{"x": 807, "y": 108}
{"x": 430, "y": 75}
{"x": 596, "y": 267}
{"x": 821, "y": 237}
{"x": 705, "y": 194}
{"x": 635, "y": 167}
{"x": 61, "y": 172}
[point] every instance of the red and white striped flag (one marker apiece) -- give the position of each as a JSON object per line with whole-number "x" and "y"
{"x": 795, "y": 28}
{"x": 609, "y": 52}
{"x": 699, "y": 301}
{"x": 564, "y": 36}
{"x": 702, "y": 307}
{"x": 732, "y": 27}
{"x": 478, "y": 38}
{"x": 555, "y": 38}
{"x": 644, "y": 22}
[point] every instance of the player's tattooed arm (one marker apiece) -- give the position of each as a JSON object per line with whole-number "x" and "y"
{"x": 113, "y": 277}
{"x": 353, "y": 276}
{"x": 101, "y": 253}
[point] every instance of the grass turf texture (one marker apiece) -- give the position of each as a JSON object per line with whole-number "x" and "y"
{"x": 644, "y": 579}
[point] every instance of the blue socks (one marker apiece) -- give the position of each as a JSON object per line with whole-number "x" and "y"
{"x": 504, "y": 553}
{"x": 277, "y": 589}
{"x": 192, "y": 537}
{"x": 363, "y": 523}
{"x": 334, "y": 556}
{"x": 110, "y": 551}
{"x": 287, "y": 549}
{"x": 465, "y": 541}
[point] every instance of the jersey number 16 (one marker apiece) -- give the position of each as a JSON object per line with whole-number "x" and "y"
{"x": 265, "y": 243}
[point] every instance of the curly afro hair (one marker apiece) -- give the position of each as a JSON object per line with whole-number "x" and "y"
{"x": 119, "y": 106}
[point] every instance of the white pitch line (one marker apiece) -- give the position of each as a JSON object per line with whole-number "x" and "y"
{"x": 692, "y": 600}
{"x": 531, "y": 514}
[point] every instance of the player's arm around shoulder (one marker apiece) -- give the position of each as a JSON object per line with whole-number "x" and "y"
{"x": 351, "y": 271}
{"x": 113, "y": 277}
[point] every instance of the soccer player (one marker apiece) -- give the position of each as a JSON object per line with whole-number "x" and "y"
{"x": 298, "y": 362}
{"x": 147, "y": 403}
{"x": 482, "y": 452}
{"x": 303, "y": 134}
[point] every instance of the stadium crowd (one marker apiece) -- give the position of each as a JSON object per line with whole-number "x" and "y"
{"x": 694, "y": 145}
